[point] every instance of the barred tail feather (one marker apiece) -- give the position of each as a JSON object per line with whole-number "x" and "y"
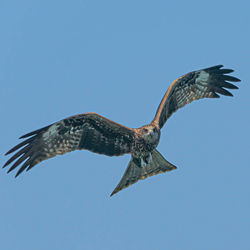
{"x": 134, "y": 173}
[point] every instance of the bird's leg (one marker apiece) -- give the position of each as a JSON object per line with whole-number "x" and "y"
{"x": 140, "y": 162}
{"x": 137, "y": 161}
{"x": 143, "y": 160}
{"x": 148, "y": 158}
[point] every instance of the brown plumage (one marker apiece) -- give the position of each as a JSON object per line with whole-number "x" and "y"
{"x": 98, "y": 134}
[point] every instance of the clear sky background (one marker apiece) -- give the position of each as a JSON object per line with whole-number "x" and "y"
{"x": 117, "y": 58}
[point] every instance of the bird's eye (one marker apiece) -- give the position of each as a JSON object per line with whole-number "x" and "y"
{"x": 145, "y": 130}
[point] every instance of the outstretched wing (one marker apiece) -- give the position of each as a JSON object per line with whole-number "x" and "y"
{"x": 193, "y": 86}
{"x": 86, "y": 131}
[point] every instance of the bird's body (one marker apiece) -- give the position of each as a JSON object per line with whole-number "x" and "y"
{"x": 146, "y": 140}
{"x": 98, "y": 134}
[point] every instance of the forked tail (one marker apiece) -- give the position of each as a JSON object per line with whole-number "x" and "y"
{"x": 134, "y": 173}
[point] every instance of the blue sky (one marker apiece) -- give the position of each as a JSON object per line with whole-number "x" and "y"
{"x": 117, "y": 58}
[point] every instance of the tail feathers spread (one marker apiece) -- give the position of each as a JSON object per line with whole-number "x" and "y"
{"x": 134, "y": 173}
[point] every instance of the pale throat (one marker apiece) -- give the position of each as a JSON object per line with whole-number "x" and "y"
{"x": 151, "y": 135}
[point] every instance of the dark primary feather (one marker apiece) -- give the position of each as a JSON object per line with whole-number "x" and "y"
{"x": 205, "y": 83}
{"x": 35, "y": 132}
{"x": 86, "y": 131}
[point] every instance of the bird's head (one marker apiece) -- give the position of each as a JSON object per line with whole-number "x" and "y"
{"x": 150, "y": 133}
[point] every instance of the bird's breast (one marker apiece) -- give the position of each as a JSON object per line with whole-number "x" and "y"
{"x": 147, "y": 142}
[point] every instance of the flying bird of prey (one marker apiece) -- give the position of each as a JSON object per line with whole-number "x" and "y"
{"x": 98, "y": 134}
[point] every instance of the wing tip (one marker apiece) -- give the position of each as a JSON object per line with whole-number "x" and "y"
{"x": 216, "y": 67}
{"x": 18, "y": 173}
{"x": 234, "y": 87}
{"x": 220, "y": 81}
{"x": 35, "y": 132}
{"x": 5, "y": 165}
{"x": 112, "y": 194}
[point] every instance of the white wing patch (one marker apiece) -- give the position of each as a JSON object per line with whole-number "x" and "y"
{"x": 61, "y": 143}
{"x": 52, "y": 131}
{"x": 203, "y": 77}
